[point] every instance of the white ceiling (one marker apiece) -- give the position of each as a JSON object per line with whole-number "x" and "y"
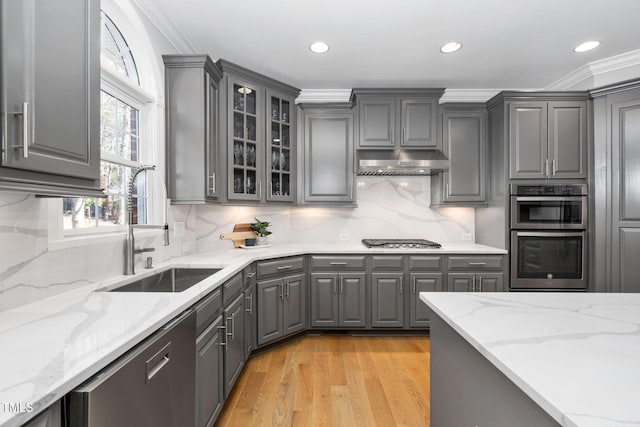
{"x": 523, "y": 44}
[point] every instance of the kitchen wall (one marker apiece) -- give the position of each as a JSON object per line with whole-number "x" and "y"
{"x": 388, "y": 207}
{"x": 33, "y": 266}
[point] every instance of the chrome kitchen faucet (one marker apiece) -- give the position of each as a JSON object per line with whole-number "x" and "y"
{"x": 130, "y": 250}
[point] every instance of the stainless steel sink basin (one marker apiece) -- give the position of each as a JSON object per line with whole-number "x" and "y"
{"x": 172, "y": 280}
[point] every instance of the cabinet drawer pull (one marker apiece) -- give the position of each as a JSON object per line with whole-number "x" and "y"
{"x": 477, "y": 263}
{"x": 157, "y": 362}
{"x": 338, "y": 263}
{"x": 285, "y": 267}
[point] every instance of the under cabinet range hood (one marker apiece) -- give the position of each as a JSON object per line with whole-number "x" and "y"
{"x": 401, "y": 162}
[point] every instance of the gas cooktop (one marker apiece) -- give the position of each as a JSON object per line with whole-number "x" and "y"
{"x": 401, "y": 243}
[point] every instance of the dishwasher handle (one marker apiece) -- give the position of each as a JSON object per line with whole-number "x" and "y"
{"x": 157, "y": 362}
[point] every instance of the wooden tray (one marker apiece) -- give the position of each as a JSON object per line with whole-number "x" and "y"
{"x": 239, "y": 234}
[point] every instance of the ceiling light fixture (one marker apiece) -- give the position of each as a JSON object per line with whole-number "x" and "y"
{"x": 587, "y": 46}
{"x": 244, "y": 90}
{"x": 451, "y": 47}
{"x": 319, "y": 47}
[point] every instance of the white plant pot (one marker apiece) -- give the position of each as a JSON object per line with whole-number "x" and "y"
{"x": 262, "y": 240}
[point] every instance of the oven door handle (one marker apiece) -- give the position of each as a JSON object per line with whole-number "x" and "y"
{"x": 549, "y": 234}
{"x": 550, "y": 198}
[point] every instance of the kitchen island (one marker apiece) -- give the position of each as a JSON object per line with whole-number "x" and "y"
{"x": 534, "y": 359}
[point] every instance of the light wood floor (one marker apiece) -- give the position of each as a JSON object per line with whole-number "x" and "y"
{"x": 333, "y": 381}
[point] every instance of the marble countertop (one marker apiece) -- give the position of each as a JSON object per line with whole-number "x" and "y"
{"x": 577, "y": 355}
{"x": 51, "y": 346}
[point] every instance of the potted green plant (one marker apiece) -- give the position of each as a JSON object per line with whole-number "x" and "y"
{"x": 260, "y": 228}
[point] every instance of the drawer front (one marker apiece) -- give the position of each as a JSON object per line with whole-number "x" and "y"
{"x": 476, "y": 262}
{"x": 423, "y": 262}
{"x": 250, "y": 276}
{"x": 232, "y": 288}
{"x": 208, "y": 309}
{"x": 386, "y": 262}
{"x": 280, "y": 266}
{"x": 338, "y": 262}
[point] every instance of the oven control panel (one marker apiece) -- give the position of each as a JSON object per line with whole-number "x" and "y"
{"x": 552, "y": 190}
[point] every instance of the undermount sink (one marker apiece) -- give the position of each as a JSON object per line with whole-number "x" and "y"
{"x": 172, "y": 280}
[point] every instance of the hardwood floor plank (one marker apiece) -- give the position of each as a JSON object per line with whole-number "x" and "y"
{"x": 334, "y": 380}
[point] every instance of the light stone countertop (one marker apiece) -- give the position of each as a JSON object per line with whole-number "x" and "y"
{"x": 577, "y": 355}
{"x": 51, "y": 346}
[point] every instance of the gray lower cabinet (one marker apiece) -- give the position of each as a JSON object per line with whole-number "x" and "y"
{"x": 397, "y": 118}
{"x": 39, "y": 154}
{"x": 422, "y": 282}
{"x": 234, "y": 342}
{"x": 338, "y": 300}
{"x": 328, "y": 156}
{"x": 548, "y": 138}
{"x": 191, "y": 88}
{"x": 281, "y": 307}
{"x": 475, "y": 282}
{"x": 387, "y": 300}
{"x": 209, "y": 366}
{"x": 250, "y": 310}
{"x": 464, "y": 141}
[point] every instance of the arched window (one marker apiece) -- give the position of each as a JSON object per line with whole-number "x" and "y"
{"x": 121, "y": 139}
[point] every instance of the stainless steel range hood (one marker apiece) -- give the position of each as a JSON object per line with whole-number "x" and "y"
{"x": 401, "y": 162}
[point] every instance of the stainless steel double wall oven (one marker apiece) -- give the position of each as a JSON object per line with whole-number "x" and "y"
{"x": 549, "y": 236}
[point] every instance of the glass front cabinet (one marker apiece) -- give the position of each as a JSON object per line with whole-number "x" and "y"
{"x": 260, "y": 136}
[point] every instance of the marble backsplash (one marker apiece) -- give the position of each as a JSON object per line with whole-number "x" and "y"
{"x": 388, "y": 207}
{"x": 32, "y": 268}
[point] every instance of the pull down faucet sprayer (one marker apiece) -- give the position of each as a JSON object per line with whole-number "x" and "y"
{"x": 130, "y": 249}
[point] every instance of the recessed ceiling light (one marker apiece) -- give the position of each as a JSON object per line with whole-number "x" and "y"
{"x": 319, "y": 47}
{"x": 587, "y": 46}
{"x": 451, "y": 47}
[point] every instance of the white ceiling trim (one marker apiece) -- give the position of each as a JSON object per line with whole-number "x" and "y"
{"x": 585, "y": 76}
{"x": 165, "y": 26}
{"x": 468, "y": 95}
{"x": 323, "y": 96}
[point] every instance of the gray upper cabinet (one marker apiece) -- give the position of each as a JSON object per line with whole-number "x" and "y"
{"x": 258, "y": 136}
{"x": 548, "y": 139}
{"x": 191, "y": 90}
{"x": 464, "y": 142}
{"x": 50, "y": 114}
{"x": 397, "y": 118}
{"x": 328, "y": 156}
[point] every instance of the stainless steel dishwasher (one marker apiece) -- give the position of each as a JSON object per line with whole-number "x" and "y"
{"x": 151, "y": 385}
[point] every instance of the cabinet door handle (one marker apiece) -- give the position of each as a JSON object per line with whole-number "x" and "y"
{"x": 401, "y": 285}
{"x": 287, "y": 289}
{"x": 413, "y": 285}
{"x": 281, "y": 285}
{"x": 480, "y": 284}
{"x": 250, "y": 275}
{"x": 224, "y": 334}
{"x": 229, "y": 334}
{"x": 393, "y": 136}
{"x": 446, "y": 190}
{"x": 338, "y": 263}
{"x": 260, "y": 189}
{"x": 546, "y": 168}
{"x": 477, "y": 263}
{"x": 212, "y": 182}
{"x": 473, "y": 284}
{"x": 335, "y": 286}
{"x": 404, "y": 135}
{"x": 249, "y": 298}
{"x": 285, "y": 267}
{"x": 341, "y": 284}
{"x": 25, "y": 129}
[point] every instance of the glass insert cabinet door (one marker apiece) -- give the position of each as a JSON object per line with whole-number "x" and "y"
{"x": 280, "y": 147}
{"x": 246, "y": 144}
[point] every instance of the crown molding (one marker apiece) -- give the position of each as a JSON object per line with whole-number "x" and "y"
{"x": 164, "y": 25}
{"x": 599, "y": 73}
{"x": 324, "y": 96}
{"x": 468, "y": 95}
